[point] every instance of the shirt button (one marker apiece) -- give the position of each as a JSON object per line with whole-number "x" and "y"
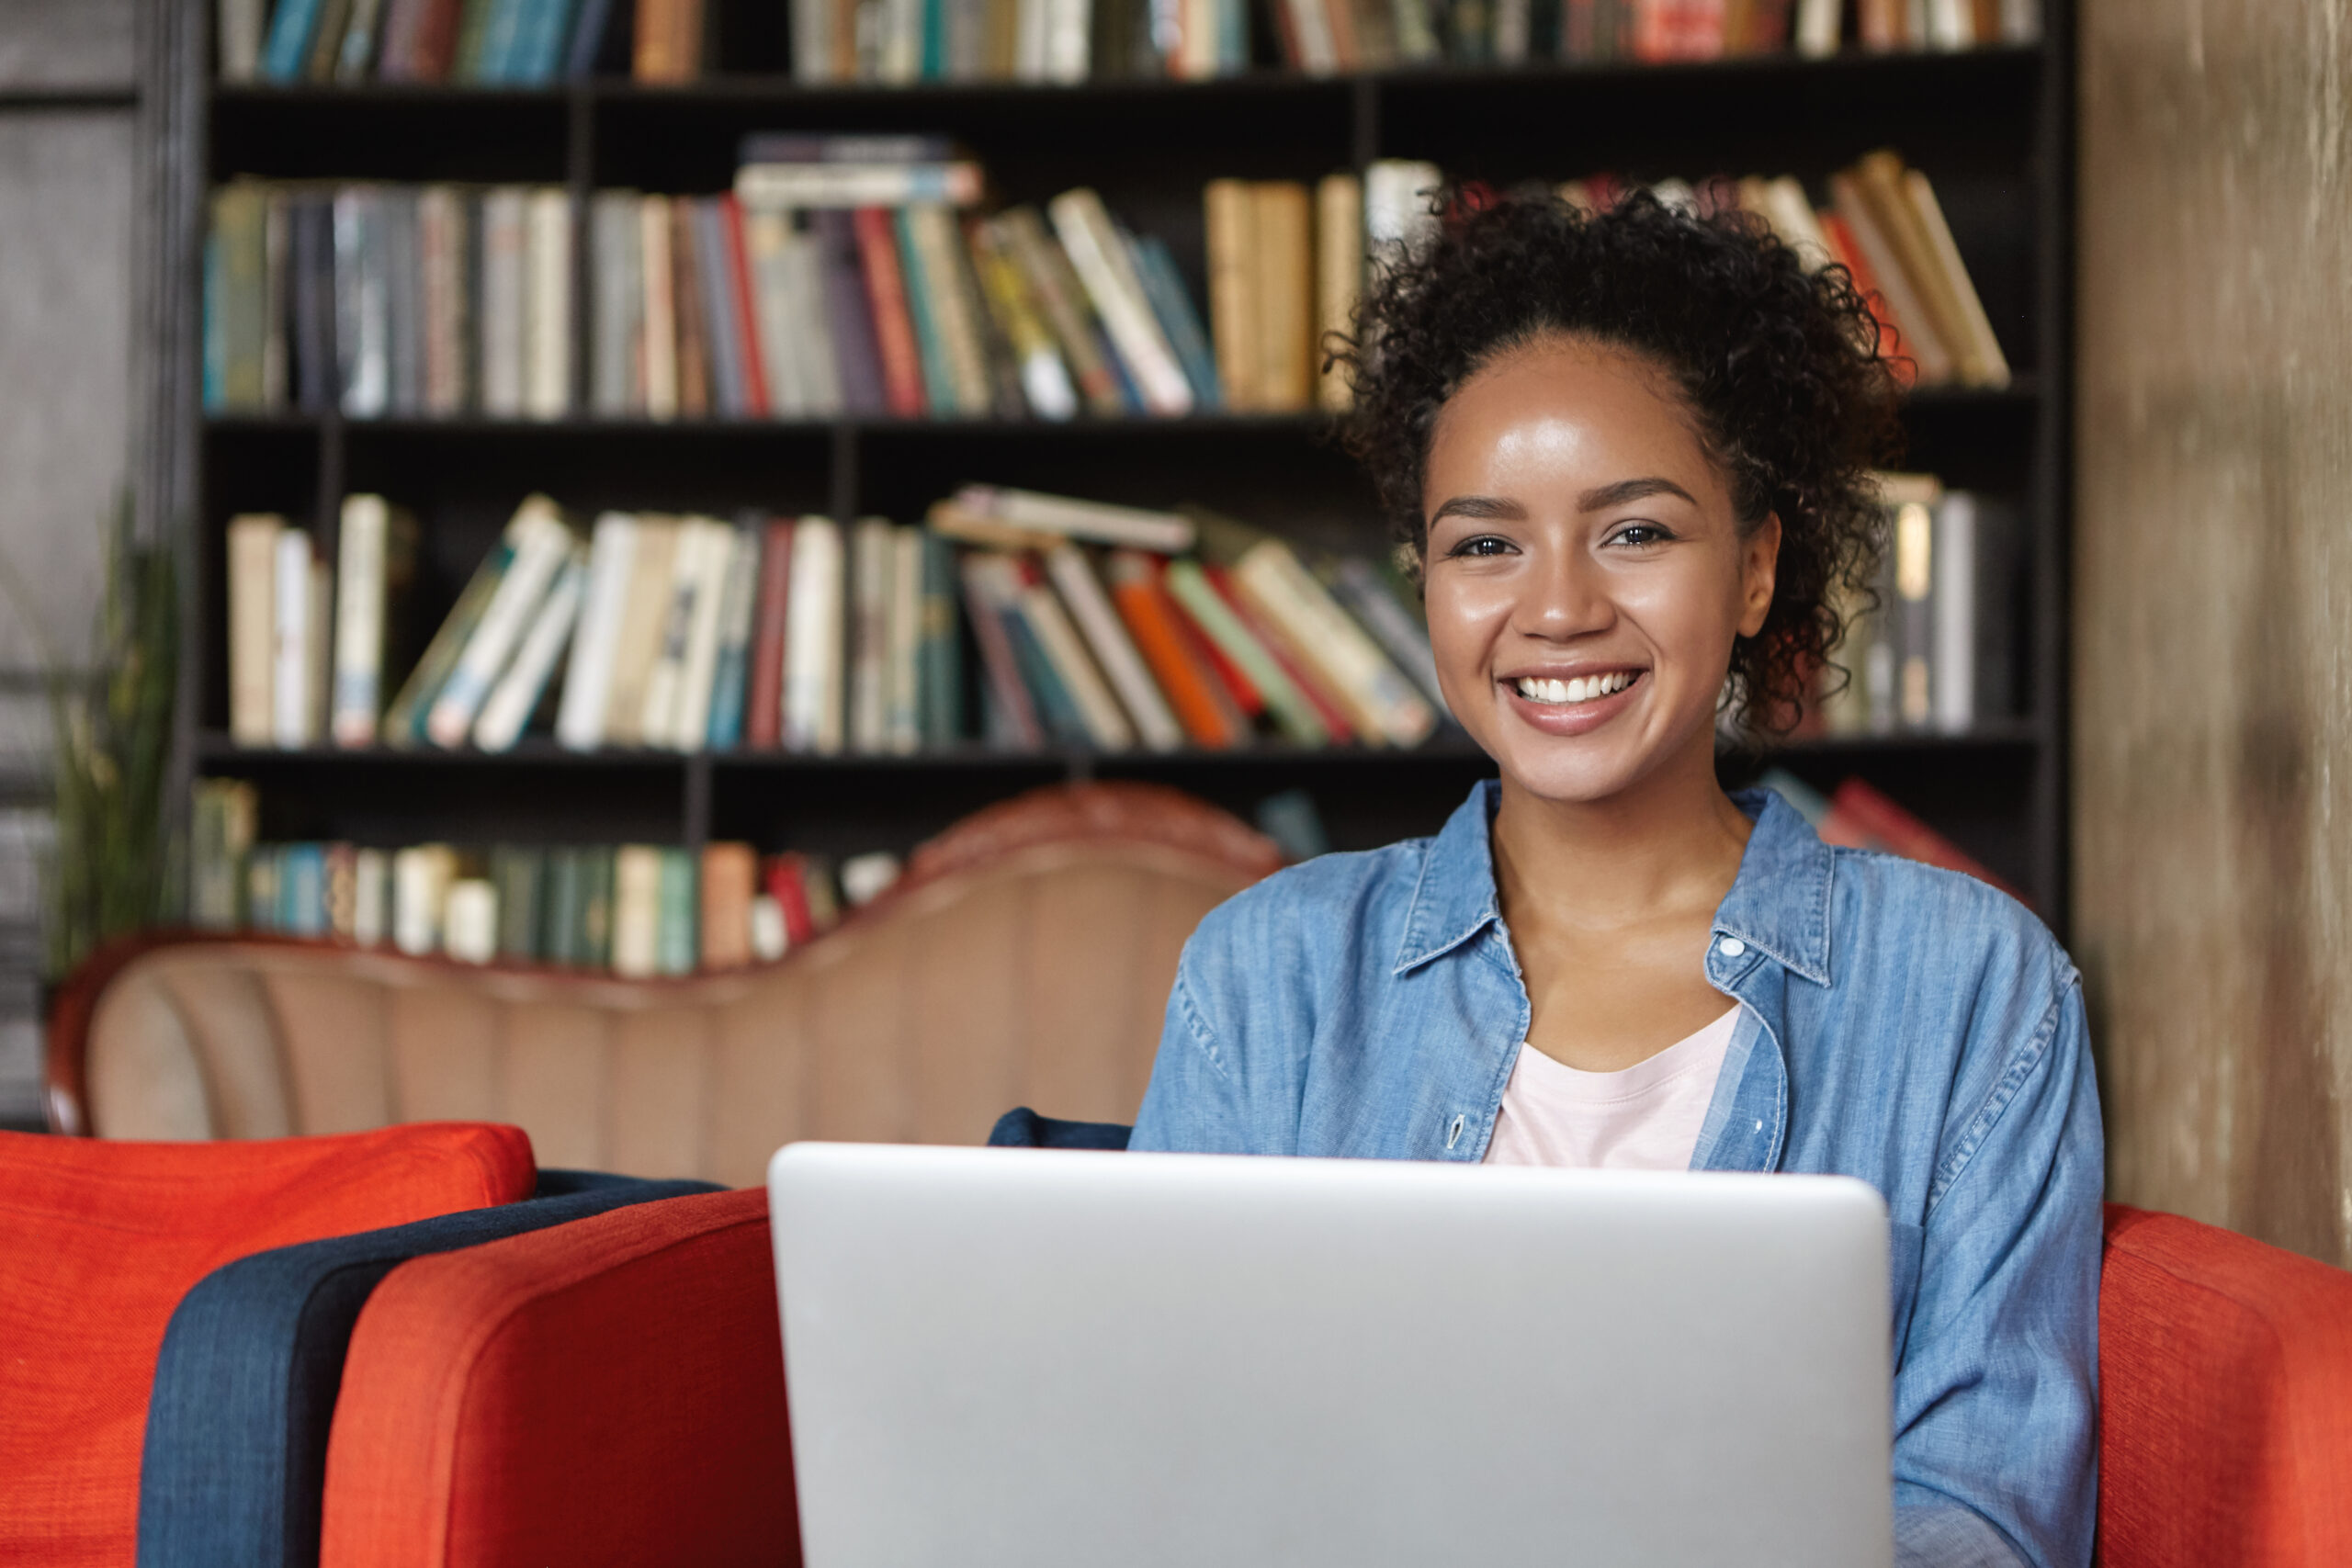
{"x": 1731, "y": 947}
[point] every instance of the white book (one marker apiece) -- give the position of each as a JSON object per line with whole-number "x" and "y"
{"x": 421, "y": 877}
{"x": 1397, "y": 215}
{"x": 469, "y": 920}
{"x": 1068, "y": 25}
{"x": 363, "y": 535}
{"x": 767, "y": 236}
{"x": 813, "y": 342}
{"x": 1816, "y": 28}
{"x": 658, "y": 370}
{"x": 517, "y": 695}
{"x": 363, "y": 304}
{"x": 2020, "y": 21}
{"x": 620, "y": 303}
{"x": 657, "y": 709}
{"x": 253, "y": 628}
{"x": 1162, "y": 533}
{"x": 813, "y": 631}
{"x": 1032, "y": 26}
{"x": 715, "y": 564}
{"x": 902, "y": 41}
{"x": 1951, "y": 23}
{"x": 812, "y": 42}
{"x": 1319, "y": 53}
{"x": 872, "y": 568}
{"x": 772, "y": 186}
{"x": 905, "y": 666}
{"x": 290, "y": 687}
{"x": 239, "y": 39}
{"x": 548, "y": 298}
{"x": 588, "y": 683}
{"x": 1113, "y": 649}
{"x": 1791, "y": 213}
{"x": 499, "y": 321}
{"x": 1107, "y": 272}
{"x": 1106, "y": 726}
{"x": 645, "y": 614}
{"x": 371, "y": 893}
{"x": 542, "y": 544}
{"x": 1953, "y": 616}
{"x": 636, "y": 910}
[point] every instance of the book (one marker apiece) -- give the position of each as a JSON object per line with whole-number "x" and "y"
{"x": 1099, "y": 259}
{"x": 541, "y": 542}
{"x": 764, "y": 716}
{"x": 1338, "y": 280}
{"x": 669, "y": 41}
{"x": 1906, "y": 311}
{"x": 932, "y": 351}
{"x": 518, "y": 880}
{"x": 1191, "y": 687}
{"x": 292, "y": 25}
{"x": 1983, "y": 362}
{"x": 1358, "y": 585}
{"x": 1105, "y": 725}
{"x": 1114, "y": 652}
{"x": 691, "y": 588}
{"x": 501, "y": 319}
{"x": 1017, "y": 726}
{"x": 849, "y": 317}
{"x": 637, "y": 912}
{"x": 1229, "y": 208}
{"x": 730, "y": 674}
{"x": 1164, "y": 288}
{"x": 871, "y": 572}
{"x": 376, "y": 564}
{"x": 700, "y": 378}
{"x": 813, "y": 669}
{"x": 940, "y": 646}
{"x": 517, "y": 695}
{"x": 252, "y": 626}
{"x": 1381, "y": 703}
{"x": 223, "y": 815}
{"x": 903, "y": 703}
{"x": 371, "y": 898}
{"x": 1164, "y": 533}
{"x": 587, "y": 683}
{"x": 657, "y": 374}
{"x": 1061, "y": 300}
{"x": 1044, "y": 378}
{"x": 1296, "y": 717}
{"x": 1000, "y": 586}
{"x": 730, "y": 876}
{"x": 677, "y": 942}
{"x": 944, "y": 299}
{"x": 807, "y": 184}
{"x": 1282, "y": 242}
{"x": 689, "y": 728}
{"x": 290, "y": 685}
{"x": 645, "y": 611}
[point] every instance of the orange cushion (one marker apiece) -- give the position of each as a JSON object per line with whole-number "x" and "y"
{"x": 609, "y": 1391}
{"x": 2225, "y": 1400}
{"x": 102, "y": 1239}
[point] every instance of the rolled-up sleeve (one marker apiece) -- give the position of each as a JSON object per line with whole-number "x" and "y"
{"x": 1995, "y": 1396}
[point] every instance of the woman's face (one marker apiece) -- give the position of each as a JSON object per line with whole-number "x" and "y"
{"x": 1585, "y": 574}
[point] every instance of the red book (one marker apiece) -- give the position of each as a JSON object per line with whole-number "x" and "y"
{"x": 1334, "y": 716}
{"x": 763, "y": 718}
{"x": 894, "y": 330}
{"x": 782, "y": 875}
{"x": 1861, "y": 818}
{"x": 1237, "y": 685}
{"x": 746, "y": 311}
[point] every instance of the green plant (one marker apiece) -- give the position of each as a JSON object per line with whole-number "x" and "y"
{"x": 115, "y": 866}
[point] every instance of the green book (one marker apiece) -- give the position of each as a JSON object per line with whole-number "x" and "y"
{"x": 472, "y": 31}
{"x": 558, "y": 909}
{"x": 1292, "y": 711}
{"x": 518, "y": 873}
{"x": 939, "y": 657}
{"x": 595, "y": 938}
{"x": 938, "y": 370}
{"x": 678, "y": 939}
{"x": 404, "y": 720}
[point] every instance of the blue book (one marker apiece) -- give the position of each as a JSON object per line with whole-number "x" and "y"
{"x": 1055, "y": 704}
{"x": 938, "y": 377}
{"x": 288, "y": 53}
{"x": 302, "y": 890}
{"x": 737, "y": 606}
{"x": 502, "y": 33}
{"x": 1163, "y": 287}
{"x": 587, "y": 41}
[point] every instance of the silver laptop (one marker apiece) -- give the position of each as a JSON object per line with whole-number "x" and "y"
{"x": 1044, "y": 1357}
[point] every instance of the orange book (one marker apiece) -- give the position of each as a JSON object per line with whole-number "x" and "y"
{"x": 1309, "y": 682}
{"x": 1891, "y": 341}
{"x": 764, "y": 718}
{"x": 1157, "y": 625}
{"x": 728, "y": 873}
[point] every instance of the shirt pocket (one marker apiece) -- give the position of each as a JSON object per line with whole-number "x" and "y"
{"x": 1905, "y": 1246}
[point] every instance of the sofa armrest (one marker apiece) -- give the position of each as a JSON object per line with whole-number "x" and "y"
{"x": 2225, "y": 1400}
{"x": 611, "y": 1390}
{"x": 246, "y": 1381}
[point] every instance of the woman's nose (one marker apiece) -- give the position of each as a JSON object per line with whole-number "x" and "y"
{"x": 1565, "y": 596}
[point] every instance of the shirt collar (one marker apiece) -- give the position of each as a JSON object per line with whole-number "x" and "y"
{"x": 1778, "y": 904}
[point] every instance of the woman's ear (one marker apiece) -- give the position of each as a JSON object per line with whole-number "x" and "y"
{"x": 1760, "y": 568}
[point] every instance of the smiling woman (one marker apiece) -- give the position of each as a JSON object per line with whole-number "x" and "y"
{"x": 1628, "y": 453}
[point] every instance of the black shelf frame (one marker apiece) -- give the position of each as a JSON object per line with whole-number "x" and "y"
{"x": 1994, "y": 126}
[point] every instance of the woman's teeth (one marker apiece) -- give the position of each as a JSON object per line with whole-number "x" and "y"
{"x": 1581, "y": 690}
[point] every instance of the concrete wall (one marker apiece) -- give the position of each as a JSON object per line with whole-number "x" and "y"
{"x": 2213, "y": 606}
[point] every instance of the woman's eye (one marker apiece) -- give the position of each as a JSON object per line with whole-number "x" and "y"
{"x": 1481, "y": 545}
{"x": 1641, "y": 534}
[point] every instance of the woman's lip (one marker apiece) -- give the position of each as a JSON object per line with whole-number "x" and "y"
{"x": 1571, "y": 718}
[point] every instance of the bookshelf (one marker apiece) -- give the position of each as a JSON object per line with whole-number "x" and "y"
{"x": 1992, "y": 126}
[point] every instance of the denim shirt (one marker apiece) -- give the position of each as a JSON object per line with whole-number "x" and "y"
{"x": 1908, "y": 1026}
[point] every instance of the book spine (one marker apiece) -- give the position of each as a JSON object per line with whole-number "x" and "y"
{"x": 1099, "y": 259}
{"x": 901, "y": 360}
{"x": 1285, "y": 242}
{"x": 677, "y": 940}
{"x": 950, "y": 302}
{"x": 1163, "y": 533}
{"x": 857, "y": 354}
{"x": 744, "y": 309}
{"x": 658, "y": 706}
{"x": 587, "y": 41}
{"x": 1358, "y": 586}
{"x": 514, "y": 698}
{"x": 1955, "y": 615}
{"x": 738, "y": 602}
{"x": 1062, "y": 299}
{"x": 1297, "y": 717}
{"x": 1381, "y": 702}
{"x": 904, "y": 726}
{"x": 288, "y": 50}
{"x": 921, "y": 293}
{"x": 763, "y": 723}
{"x": 1178, "y": 322}
{"x": 812, "y": 185}
{"x": 636, "y": 910}
{"x": 1338, "y": 280}
{"x": 657, "y": 309}
{"x": 360, "y": 619}
{"x": 729, "y": 873}
{"x": 1046, "y": 383}
{"x": 549, "y": 394}
{"x": 1049, "y": 622}
{"x": 942, "y": 656}
{"x": 700, "y": 385}
{"x": 1116, "y": 655}
{"x": 999, "y": 663}
{"x": 1153, "y": 620}
{"x": 871, "y": 568}
{"x": 587, "y": 686}
{"x": 541, "y": 545}
{"x": 403, "y": 724}
{"x": 253, "y": 623}
{"x": 698, "y": 669}
{"x": 813, "y": 639}
{"x": 290, "y": 680}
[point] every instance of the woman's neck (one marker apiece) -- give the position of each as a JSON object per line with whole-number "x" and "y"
{"x": 1672, "y": 842}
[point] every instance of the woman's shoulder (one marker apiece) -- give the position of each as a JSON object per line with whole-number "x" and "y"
{"x": 1900, "y": 916}
{"x": 1348, "y": 897}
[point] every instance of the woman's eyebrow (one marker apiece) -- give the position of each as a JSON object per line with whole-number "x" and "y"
{"x": 1625, "y": 490}
{"x": 1490, "y": 508}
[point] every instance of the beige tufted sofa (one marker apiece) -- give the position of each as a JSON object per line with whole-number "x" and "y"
{"x": 1024, "y": 958}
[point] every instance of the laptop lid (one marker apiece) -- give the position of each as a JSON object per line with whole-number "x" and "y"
{"x": 1046, "y": 1358}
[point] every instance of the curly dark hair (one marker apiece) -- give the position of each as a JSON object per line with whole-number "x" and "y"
{"x": 1780, "y": 366}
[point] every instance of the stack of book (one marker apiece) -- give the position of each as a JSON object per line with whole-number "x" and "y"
{"x": 633, "y": 910}
{"x": 1935, "y": 646}
{"x": 1083, "y": 625}
{"x": 1884, "y": 226}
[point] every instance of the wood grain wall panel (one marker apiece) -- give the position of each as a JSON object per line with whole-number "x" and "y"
{"x": 2212, "y": 620}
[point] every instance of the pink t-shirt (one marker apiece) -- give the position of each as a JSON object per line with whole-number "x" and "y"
{"x": 1644, "y": 1118}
